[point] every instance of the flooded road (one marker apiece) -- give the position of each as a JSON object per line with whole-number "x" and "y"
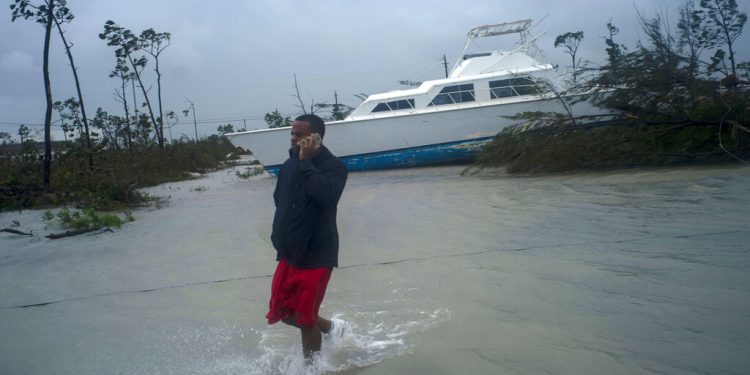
{"x": 644, "y": 271}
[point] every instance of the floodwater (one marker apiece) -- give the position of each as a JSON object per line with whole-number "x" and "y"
{"x": 632, "y": 272}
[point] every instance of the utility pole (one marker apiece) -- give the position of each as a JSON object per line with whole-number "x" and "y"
{"x": 195, "y": 122}
{"x": 445, "y": 65}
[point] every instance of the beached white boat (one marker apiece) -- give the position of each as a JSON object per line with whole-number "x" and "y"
{"x": 442, "y": 121}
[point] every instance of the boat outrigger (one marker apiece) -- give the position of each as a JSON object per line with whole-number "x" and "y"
{"x": 442, "y": 121}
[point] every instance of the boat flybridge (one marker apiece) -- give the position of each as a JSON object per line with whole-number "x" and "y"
{"x": 442, "y": 121}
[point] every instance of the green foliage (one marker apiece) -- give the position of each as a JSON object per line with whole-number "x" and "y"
{"x": 28, "y": 150}
{"x": 70, "y": 118}
{"x": 129, "y": 48}
{"x": 596, "y": 147}
{"x": 571, "y": 41}
{"x": 724, "y": 24}
{"x": 5, "y": 138}
{"x": 114, "y": 181}
{"x": 125, "y": 41}
{"x": 338, "y": 111}
{"x": 614, "y": 53}
{"x": 660, "y": 80}
{"x": 86, "y": 219}
{"x": 154, "y": 42}
{"x": 23, "y": 132}
{"x": 249, "y": 172}
{"x": 694, "y": 33}
{"x": 276, "y": 120}
{"x": 337, "y": 114}
{"x": 48, "y": 216}
{"x": 225, "y": 129}
{"x": 39, "y": 12}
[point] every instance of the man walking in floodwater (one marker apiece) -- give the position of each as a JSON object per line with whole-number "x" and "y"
{"x": 305, "y": 234}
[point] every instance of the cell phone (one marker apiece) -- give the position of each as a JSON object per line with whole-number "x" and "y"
{"x": 317, "y": 139}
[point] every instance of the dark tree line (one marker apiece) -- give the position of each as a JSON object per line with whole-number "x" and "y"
{"x": 112, "y": 131}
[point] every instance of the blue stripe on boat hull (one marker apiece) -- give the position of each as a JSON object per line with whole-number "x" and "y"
{"x": 444, "y": 153}
{"x": 274, "y": 169}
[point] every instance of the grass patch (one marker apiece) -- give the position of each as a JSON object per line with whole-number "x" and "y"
{"x": 249, "y": 172}
{"x": 87, "y": 219}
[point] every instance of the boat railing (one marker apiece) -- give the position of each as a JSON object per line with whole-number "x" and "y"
{"x": 520, "y": 27}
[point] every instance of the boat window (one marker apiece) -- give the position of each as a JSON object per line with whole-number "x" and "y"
{"x": 401, "y": 104}
{"x": 454, "y": 94}
{"x": 525, "y": 86}
{"x": 395, "y": 105}
{"x": 512, "y": 87}
{"x": 501, "y": 89}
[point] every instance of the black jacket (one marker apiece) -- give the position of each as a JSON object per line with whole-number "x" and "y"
{"x": 306, "y": 195}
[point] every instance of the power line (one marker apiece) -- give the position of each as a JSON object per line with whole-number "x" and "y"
{"x": 201, "y": 121}
{"x": 279, "y": 83}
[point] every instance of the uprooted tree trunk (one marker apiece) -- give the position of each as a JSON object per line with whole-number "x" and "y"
{"x": 14, "y": 231}
{"x": 71, "y": 233}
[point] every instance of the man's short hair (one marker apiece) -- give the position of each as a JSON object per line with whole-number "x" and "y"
{"x": 316, "y": 123}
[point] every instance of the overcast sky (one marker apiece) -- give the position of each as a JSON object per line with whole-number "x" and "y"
{"x": 236, "y": 59}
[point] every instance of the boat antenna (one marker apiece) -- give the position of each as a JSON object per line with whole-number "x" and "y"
{"x": 533, "y": 49}
{"x": 540, "y": 21}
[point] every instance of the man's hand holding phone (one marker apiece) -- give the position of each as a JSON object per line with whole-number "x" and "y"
{"x": 309, "y": 147}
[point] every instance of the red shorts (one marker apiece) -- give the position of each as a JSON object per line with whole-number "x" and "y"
{"x": 297, "y": 292}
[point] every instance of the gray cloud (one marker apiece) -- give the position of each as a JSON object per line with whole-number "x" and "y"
{"x": 17, "y": 62}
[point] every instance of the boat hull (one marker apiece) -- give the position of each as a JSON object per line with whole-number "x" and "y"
{"x": 437, "y": 136}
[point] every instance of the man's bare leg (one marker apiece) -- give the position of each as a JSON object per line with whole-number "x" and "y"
{"x": 291, "y": 321}
{"x": 324, "y": 325}
{"x": 311, "y": 336}
{"x": 311, "y": 339}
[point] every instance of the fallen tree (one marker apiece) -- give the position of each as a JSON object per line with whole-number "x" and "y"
{"x": 77, "y": 232}
{"x": 14, "y": 231}
{"x": 609, "y": 145}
